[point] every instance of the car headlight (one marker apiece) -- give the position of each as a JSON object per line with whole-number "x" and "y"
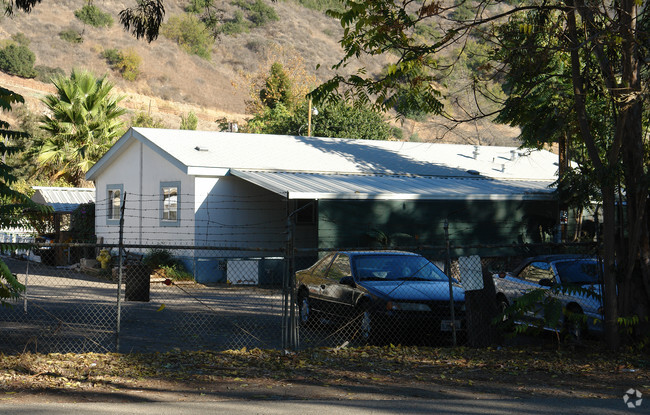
{"x": 392, "y": 305}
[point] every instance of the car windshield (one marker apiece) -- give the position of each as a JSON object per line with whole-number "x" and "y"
{"x": 577, "y": 272}
{"x": 396, "y": 267}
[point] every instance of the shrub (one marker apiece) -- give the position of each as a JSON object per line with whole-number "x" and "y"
{"x": 198, "y": 6}
{"x": 190, "y": 33}
{"x": 164, "y": 263}
{"x": 156, "y": 258}
{"x": 142, "y": 119}
{"x": 93, "y": 16}
{"x": 259, "y": 13}
{"x": 46, "y": 73}
{"x": 176, "y": 272}
{"x": 17, "y": 60}
{"x": 190, "y": 122}
{"x": 234, "y": 26}
{"x": 322, "y": 5}
{"x": 20, "y": 39}
{"x": 126, "y": 62}
{"x": 71, "y": 36}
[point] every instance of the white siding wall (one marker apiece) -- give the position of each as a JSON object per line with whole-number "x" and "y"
{"x": 232, "y": 212}
{"x": 140, "y": 171}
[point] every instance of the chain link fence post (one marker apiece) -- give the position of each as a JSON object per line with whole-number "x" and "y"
{"x": 119, "y": 278}
{"x": 451, "y": 287}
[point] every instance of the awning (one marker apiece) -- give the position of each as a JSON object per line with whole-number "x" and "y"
{"x": 63, "y": 199}
{"x": 395, "y": 187}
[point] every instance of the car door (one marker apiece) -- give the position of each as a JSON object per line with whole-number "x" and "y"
{"x": 316, "y": 282}
{"x": 338, "y": 291}
{"x": 528, "y": 279}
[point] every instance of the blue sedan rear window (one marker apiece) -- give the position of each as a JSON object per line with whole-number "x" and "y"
{"x": 577, "y": 272}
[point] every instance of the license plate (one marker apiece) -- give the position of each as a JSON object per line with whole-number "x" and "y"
{"x": 445, "y": 325}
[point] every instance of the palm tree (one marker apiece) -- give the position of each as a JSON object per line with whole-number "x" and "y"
{"x": 82, "y": 125}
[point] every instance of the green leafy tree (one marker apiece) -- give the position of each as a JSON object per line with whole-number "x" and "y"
{"x": 143, "y": 21}
{"x": 280, "y": 112}
{"x": 190, "y": 33}
{"x": 82, "y": 125}
{"x": 12, "y": 203}
{"x": 333, "y": 120}
{"x": 277, "y": 89}
{"x": 605, "y": 47}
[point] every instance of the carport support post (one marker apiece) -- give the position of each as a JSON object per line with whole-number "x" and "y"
{"x": 119, "y": 278}
{"x": 451, "y": 287}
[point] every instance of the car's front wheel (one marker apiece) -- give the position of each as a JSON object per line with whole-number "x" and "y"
{"x": 502, "y": 306}
{"x": 365, "y": 325}
{"x": 575, "y": 326}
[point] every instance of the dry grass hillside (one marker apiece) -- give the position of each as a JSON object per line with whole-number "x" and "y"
{"x": 173, "y": 82}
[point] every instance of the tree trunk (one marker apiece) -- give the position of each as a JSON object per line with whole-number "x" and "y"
{"x": 635, "y": 300}
{"x": 610, "y": 305}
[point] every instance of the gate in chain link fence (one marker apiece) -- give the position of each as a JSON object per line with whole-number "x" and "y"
{"x": 163, "y": 298}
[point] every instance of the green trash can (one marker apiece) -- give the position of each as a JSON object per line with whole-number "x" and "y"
{"x": 137, "y": 283}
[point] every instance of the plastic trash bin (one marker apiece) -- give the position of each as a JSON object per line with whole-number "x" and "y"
{"x": 137, "y": 283}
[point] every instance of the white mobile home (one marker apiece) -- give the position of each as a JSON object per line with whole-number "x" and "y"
{"x": 200, "y": 188}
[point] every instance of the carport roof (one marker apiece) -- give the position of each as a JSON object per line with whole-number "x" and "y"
{"x": 296, "y": 185}
{"x": 63, "y": 199}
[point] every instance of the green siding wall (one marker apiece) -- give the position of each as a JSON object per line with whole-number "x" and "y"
{"x": 347, "y": 223}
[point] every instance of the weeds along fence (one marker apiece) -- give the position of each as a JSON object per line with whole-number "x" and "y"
{"x": 148, "y": 298}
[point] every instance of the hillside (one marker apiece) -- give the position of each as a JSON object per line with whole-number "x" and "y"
{"x": 173, "y": 82}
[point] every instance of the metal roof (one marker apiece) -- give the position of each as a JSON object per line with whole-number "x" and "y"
{"x": 211, "y": 153}
{"x": 400, "y": 187}
{"x": 63, "y": 199}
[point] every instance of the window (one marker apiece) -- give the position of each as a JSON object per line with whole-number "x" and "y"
{"x": 340, "y": 268}
{"x": 536, "y": 271}
{"x": 115, "y": 194}
{"x": 321, "y": 267}
{"x": 305, "y": 212}
{"x": 170, "y": 203}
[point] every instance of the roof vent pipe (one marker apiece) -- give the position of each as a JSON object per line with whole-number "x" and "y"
{"x": 513, "y": 154}
{"x": 475, "y": 152}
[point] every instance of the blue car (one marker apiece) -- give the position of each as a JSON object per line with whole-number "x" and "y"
{"x": 574, "y": 280}
{"x": 379, "y": 295}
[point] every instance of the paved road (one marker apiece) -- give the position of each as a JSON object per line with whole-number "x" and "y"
{"x": 351, "y": 407}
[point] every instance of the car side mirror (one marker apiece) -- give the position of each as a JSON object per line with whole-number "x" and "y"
{"x": 347, "y": 281}
{"x": 546, "y": 282}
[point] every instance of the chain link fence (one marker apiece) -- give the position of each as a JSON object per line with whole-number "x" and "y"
{"x": 158, "y": 300}
{"x": 91, "y": 298}
{"x": 427, "y": 296}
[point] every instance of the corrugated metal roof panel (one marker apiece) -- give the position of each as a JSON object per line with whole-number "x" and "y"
{"x": 381, "y": 186}
{"x": 222, "y": 150}
{"x": 63, "y": 199}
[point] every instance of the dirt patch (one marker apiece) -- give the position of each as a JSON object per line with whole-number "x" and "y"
{"x": 361, "y": 373}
